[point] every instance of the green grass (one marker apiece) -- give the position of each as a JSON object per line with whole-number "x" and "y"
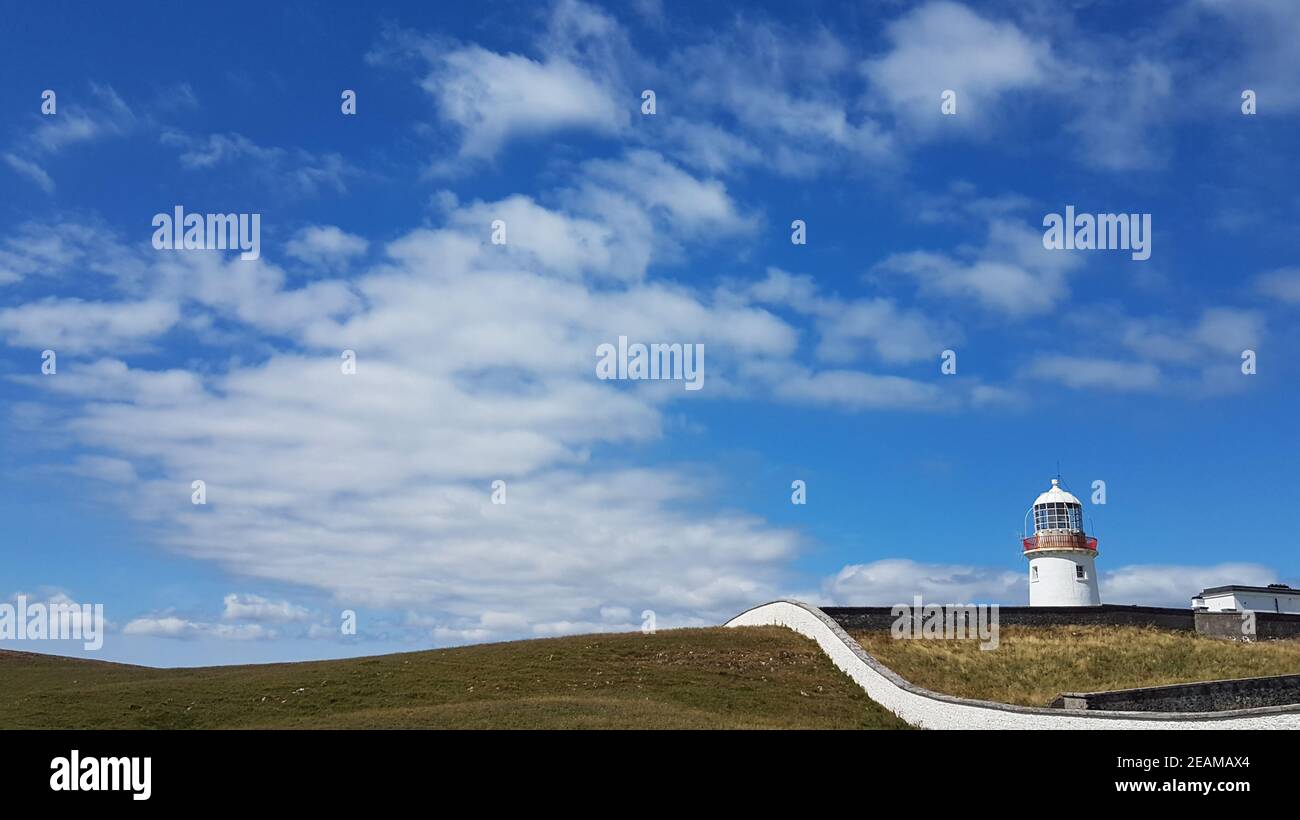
{"x": 756, "y": 677}
{"x": 1032, "y": 665}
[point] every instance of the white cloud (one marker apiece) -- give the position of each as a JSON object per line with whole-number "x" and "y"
{"x": 619, "y": 217}
{"x": 1198, "y": 357}
{"x": 166, "y": 627}
{"x": 252, "y": 292}
{"x": 1174, "y": 585}
{"x": 850, "y": 328}
{"x": 83, "y": 117}
{"x": 105, "y": 469}
{"x": 1120, "y": 111}
{"x": 1011, "y": 273}
{"x": 32, "y": 171}
{"x": 1282, "y": 284}
{"x": 897, "y": 335}
{"x": 217, "y": 149}
{"x": 941, "y": 46}
{"x": 851, "y": 390}
{"x": 896, "y": 580}
{"x": 256, "y": 608}
{"x": 1081, "y": 371}
{"x": 1122, "y": 88}
{"x": 52, "y": 251}
{"x": 559, "y": 243}
{"x": 691, "y": 206}
{"x": 573, "y": 81}
{"x": 298, "y": 170}
{"x": 1265, "y": 58}
{"x": 76, "y": 326}
{"x": 1229, "y": 330}
{"x": 325, "y": 245}
{"x": 171, "y": 626}
{"x": 493, "y": 97}
{"x": 798, "y": 291}
{"x": 710, "y": 147}
{"x": 112, "y": 380}
{"x": 778, "y": 92}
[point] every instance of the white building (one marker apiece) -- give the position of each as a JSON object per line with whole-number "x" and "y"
{"x": 1062, "y": 557}
{"x": 1238, "y": 598}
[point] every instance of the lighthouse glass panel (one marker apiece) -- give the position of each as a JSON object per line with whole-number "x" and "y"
{"x": 1058, "y": 516}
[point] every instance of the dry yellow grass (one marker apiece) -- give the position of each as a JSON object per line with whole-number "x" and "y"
{"x": 1032, "y": 665}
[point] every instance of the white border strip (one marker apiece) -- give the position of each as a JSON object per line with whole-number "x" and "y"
{"x": 931, "y": 710}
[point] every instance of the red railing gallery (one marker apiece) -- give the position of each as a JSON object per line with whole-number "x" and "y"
{"x": 1060, "y": 541}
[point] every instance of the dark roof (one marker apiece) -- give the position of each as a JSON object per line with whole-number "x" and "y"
{"x": 1275, "y": 589}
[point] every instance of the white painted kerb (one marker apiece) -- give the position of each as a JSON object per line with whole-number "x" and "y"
{"x": 931, "y": 710}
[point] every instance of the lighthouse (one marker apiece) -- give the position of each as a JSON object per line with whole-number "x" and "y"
{"x": 1062, "y": 558}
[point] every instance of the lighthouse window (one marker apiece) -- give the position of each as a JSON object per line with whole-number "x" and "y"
{"x": 1075, "y": 517}
{"x": 1079, "y": 573}
{"x": 1043, "y": 517}
{"x": 1033, "y": 573}
{"x": 1058, "y": 516}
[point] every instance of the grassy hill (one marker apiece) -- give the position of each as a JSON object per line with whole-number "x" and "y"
{"x": 1032, "y": 665}
{"x": 763, "y": 677}
{"x": 757, "y": 677}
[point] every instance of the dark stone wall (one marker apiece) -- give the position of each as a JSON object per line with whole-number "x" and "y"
{"x": 869, "y": 618}
{"x": 1210, "y": 696}
{"x": 1268, "y": 625}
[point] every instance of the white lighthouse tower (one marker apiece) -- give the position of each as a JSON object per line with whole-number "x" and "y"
{"x": 1062, "y": 558}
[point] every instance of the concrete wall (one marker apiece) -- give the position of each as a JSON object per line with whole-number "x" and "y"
{"x": 930, "y": 710}
{"x": 1206, "y": 696}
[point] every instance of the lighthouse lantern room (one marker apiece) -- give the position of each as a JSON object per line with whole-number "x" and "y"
{"x": 1062, "y": 558}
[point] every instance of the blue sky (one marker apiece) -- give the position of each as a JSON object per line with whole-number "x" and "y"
{"x": 371, "y": 492}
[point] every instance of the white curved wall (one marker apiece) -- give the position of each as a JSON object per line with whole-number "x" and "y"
{"x": 930, "y": 710}
{"x": 1058, "y": 583}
